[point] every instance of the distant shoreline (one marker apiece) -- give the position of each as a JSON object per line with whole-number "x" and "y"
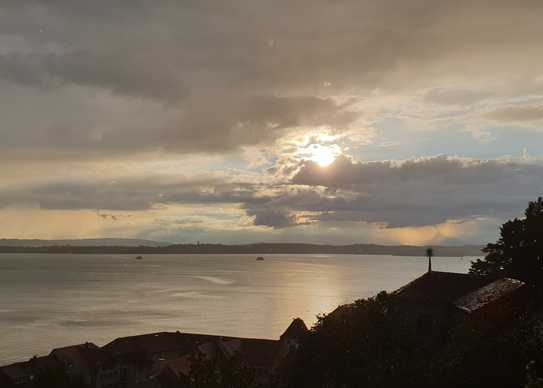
{"x": 262, "y": 248}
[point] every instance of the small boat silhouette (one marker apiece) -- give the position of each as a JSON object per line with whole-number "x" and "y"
{"x": 260, "y": 258}
{"x": 139, "y": 257}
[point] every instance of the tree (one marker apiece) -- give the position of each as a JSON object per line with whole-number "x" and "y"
{"x": 519, "y": 251}
{"x": 222, "y": 372}
{"x": 371, "y": 346}
{"x": 56, "y": 378}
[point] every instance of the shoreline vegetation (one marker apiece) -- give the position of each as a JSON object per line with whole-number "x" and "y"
{"x": 260, "y": 248}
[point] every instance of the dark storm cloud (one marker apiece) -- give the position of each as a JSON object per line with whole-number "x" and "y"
{"x": 412, "y": 193}
{"x": 206, "y": 60}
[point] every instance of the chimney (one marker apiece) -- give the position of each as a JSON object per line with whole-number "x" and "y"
{"x": 429, "y": 254}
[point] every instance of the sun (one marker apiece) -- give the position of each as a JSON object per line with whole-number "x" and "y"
{"x": 323, "y": 155}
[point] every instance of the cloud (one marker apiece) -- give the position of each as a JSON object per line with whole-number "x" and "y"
{"x": 135, "y": 81}
{"x": 517, "y": 113}
{"x": 135, "y": 194}
{"x": 417, "y": 192}
{"x": 271, "y": 217}
{"x": 91, "y": 69}
{"x": 200, "y": 78}
{"x": 77, "y": 124}
{"x": 447, "y": 96}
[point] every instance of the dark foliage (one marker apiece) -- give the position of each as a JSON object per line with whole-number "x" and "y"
{"x": 372, "y": 347}
{"x": 57, "y": 378}
{"x": 376, "y": 347}
{"x": 519, "y": 251}
{"x": 222, "y": 372}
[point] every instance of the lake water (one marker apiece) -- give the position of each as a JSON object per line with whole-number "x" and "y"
{"x": 48, "y": 301}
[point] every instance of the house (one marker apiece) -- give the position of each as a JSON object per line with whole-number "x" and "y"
{"x": 295, "y": 332}
{"x": 16, "y": 375}
{"x": 437, "y": 300}
{"x": 141, "y": 356}
{"x": 90, "y": 363}
{"x": 175, "y": 373}
{"x": 23, "y": 374}
{"x": 494, "y": 300}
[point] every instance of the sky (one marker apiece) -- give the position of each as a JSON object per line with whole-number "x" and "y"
{"x": 345, "y": 121}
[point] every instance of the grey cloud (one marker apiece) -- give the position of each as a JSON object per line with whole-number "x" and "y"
{"x": 447, "y": 96}
{"x": 129, "y": 195}
{"x": 248, "y": 121}
{"x": 412, "y": 193}
{"x": 416, "y": 192}
{"x": 346, "y": 43}
{"x": 275, "y": 218}
{"x": 210, "y": 59}
{"x": 106, "y": 126}
{"x": 92, "y": 69}
{"x": 517, "y": 113}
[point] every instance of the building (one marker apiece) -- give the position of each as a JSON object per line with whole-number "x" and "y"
{"x": 16, "y": 375}
{"x": 140, "y": 357}
{"x": 175, "y": 373}
{"x": 437, "y": 300}
{"x": 167, "y": 357}
{"x": 24, "y": 374}
{"x": 90, "y": 363}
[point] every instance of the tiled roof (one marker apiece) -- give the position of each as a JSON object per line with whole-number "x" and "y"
{"x": 152, "y": 343}
{"x": 15, "y": 371}
{"x": 488, "y": 294}
{"x": 296, "y": 330}
{"x": 87, "y": 354}
{"x": 43, "y": 363}
{"x": 260, "y": 353}
{"x": 179, "y": 366}
{"x": 441, "y": 286}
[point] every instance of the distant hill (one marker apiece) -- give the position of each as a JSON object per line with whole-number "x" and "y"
{"x": 151, "y": 247}
{"x": 94, "y": 242}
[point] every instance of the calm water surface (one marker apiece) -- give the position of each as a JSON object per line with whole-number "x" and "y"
{"x": 48, "y": 301}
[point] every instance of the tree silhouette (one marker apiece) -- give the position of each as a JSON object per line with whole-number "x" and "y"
{"x": 518, "y": 253}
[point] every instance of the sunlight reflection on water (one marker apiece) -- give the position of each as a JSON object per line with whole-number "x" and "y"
{"x": 48, "y": 301}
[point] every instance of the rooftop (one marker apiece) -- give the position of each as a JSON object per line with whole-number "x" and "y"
{"x": 297, "y": 329}
{"x": 87, "y": 354}
{"x": 441, "y": 286}
{"x": 488, "y": 294}
{"x": 152, "y": 343}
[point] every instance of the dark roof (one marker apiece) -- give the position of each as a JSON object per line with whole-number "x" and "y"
{"x": 179, "y": 366}
{"x": 296, "y": 330}
{"x": 260, "y": 353}
{"x": 43, "y": 363}
{"x": 4, "y": 381}
{"x": 488, "y": 294}
{"x": 16, "y": 371}
{"x": 152, "y": 343}
{"x": 87, "y": 354}
{"x": 23, "y": 371}
{"x": 441, "y": 286}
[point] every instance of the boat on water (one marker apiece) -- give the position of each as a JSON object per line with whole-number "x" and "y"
{"x": 260, "y": 258}
{"x": 139, "y": 257}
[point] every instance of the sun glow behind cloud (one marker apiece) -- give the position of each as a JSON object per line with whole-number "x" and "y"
{"x": 322, "y": 154}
